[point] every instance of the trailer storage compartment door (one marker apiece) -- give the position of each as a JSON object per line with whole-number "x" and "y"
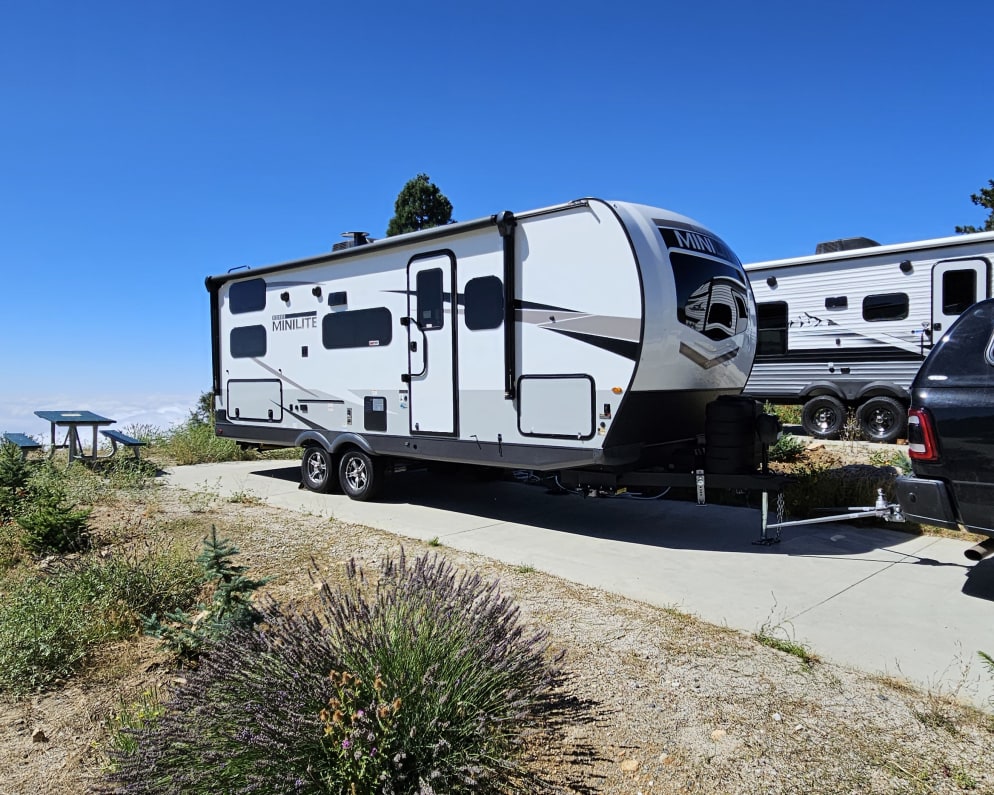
{"x": 255, "y": 401}
{"x": 556, "y": 406}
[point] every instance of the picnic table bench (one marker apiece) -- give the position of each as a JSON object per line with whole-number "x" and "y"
{"x": 116, "y": 438}
{"x": 22, "y": 440}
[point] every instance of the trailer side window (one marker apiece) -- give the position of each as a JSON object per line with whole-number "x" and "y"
{"x": 484, "y": 303}
{"x": 430, "y": 299}
{"x": 358, "y": 328}
{"x": 837, "y": 302}
{"x": 247, "y": 296}
{"x": 959, "y": 291}
{"x": 771, "y": 322}
{"x": 885, "y": 306}
{"x": 247, "y": 342}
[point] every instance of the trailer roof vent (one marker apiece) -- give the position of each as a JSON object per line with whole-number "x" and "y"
{"x": 845, "y": 244}
{"x": 352, "y": 240}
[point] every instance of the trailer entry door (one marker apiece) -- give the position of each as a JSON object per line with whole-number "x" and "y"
{"x": 431, "y": 343}
{"x": 956, "y": 286}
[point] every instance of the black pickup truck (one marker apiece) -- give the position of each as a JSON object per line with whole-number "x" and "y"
{"x": 951, "y": 430}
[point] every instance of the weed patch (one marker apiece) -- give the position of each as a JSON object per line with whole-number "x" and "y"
{"x": 194, "y": 443}
{"x": 777, "y": 638}
{"x": 787, "y": 448}
{"x": 49, "y": 623}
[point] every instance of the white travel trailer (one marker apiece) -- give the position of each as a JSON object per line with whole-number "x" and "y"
{"x": 848, "y": 329}
{"x": 585, "y": 335}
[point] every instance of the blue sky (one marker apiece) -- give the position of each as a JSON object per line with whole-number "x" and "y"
{"x": 146, "y": 145}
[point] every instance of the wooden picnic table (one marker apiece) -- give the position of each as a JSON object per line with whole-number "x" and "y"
{"x": 73, "y": 421}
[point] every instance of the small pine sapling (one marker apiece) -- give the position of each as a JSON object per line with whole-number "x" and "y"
{"x": 14, "y": 475}
{"x": 230, "y": 606}
{"x": 51, "y": 523}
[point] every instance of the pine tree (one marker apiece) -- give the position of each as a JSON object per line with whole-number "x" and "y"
{"x": 985, "y": 198}
{"x": 420, "y": 205}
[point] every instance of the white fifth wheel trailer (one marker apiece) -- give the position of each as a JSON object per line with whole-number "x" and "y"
{"x": 585, "y": 335}
{"x": 847, "y": 330}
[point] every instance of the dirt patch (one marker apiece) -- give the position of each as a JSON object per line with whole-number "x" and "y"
{"x": 679, "y": 705}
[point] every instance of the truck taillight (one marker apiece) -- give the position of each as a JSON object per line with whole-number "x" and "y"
{"x": 921, "y": 436}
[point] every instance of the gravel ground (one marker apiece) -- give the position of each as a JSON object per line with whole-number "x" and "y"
{"x": 677, "y": 705}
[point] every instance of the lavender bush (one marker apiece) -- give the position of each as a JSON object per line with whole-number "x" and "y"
{"x": 423, "y": 682}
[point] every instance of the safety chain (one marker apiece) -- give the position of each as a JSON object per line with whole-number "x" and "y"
{"x": 780, "y": 511}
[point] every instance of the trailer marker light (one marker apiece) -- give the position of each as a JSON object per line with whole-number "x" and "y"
{"x": 616, "y": 390}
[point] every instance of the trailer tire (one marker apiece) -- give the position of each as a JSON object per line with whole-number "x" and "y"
{"x": 317, "y": 469}
{"x": 360, "y": 475}
{"x": 882, "y": 419}
{"x": 823, "y": 417}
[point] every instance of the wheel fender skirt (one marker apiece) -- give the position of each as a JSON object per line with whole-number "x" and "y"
{"x": 351, "y": 439}
{"x": 820, "y": 388}
{"x": 883, "y": 389}
{"x": 335, "y": 444}
{"x": 312, "y": 437}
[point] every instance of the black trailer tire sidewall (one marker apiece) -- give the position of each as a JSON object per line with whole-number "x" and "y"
{"x": 823, "y": 417}
{"x": 360, "y": 475}
{"x": 882, "y": 419}
{"x": 317, "y": 469}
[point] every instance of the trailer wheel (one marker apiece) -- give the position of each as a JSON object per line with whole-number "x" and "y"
{"x": 823, "y": 417}
{"x": 317, "y": 469}
{"x": 881, "y": 419}
{"x": 360, "y": 475}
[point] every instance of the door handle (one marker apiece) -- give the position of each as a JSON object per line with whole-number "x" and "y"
{"x": 408, "y": 322}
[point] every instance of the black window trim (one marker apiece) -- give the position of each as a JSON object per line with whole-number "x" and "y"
{"x": 440, "y": 274}
{"x": 235, "y": 292}
{"x": 883, "y": 303}
{"x": 782, "y": 331}
{"x": 243, "y": 331}
{"x": 958, "y": 272}
{"x": 350, "y": 315}
{"x": 468, "y": 310}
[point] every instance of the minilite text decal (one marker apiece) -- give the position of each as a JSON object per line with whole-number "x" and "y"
{"x": 295, "y": 321}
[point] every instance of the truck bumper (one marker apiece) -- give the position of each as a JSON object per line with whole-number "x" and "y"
{"x": 926, "y": 502}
